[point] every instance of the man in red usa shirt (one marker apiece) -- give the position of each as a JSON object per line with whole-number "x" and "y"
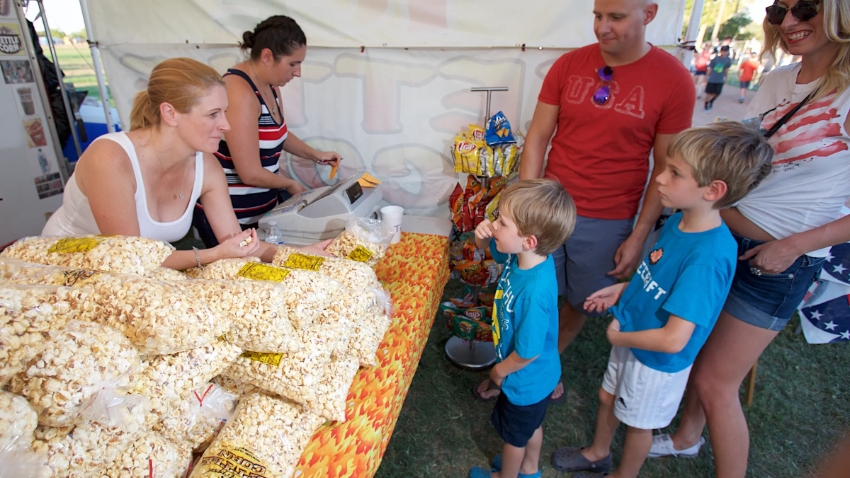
{"x": 605, "y": 107}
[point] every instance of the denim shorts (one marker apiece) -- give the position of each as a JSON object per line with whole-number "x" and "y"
{"x": 768, "y": 301}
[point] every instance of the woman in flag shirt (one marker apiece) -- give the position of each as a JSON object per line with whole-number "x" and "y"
{"x": 784, "y": 227}
{"x": 277, "y": 48}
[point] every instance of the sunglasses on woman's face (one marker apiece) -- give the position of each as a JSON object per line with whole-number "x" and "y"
{"x": 804, "y": 11}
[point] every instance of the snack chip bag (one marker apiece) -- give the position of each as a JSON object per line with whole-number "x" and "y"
{"x": 477, "y": 133}
{"x": 499, "y": 130}
{"x": 456, "y": 206}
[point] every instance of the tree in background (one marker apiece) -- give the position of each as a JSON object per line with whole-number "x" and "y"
{"x": 735, "y": 22}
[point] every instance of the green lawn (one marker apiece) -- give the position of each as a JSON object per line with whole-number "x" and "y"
{"x": 800, "y": 410}
{"x": 76, "y": 63}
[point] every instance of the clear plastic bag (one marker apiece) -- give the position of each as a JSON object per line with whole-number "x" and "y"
{"x": 72, "y": 368}
{"x": 125, "y": 254}
{"x": 266, "y": 433}
{"x": 151, "y": 455}
{"x": 158, "y": 317}
{"x": 363, "y": 241}
{"x": 352, "y": 274}
{"x": 29, "y": 316}
{"x": 19, "y": 460}
{"x": 200, "y": 416}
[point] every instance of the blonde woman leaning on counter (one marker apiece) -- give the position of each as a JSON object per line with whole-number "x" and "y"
{"x": 145, "y": 182}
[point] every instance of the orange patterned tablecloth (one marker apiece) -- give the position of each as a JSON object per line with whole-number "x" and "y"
{"x": 414, "y": 271}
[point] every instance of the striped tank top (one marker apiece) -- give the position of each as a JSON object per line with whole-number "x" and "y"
{"x": 249, "y": 202}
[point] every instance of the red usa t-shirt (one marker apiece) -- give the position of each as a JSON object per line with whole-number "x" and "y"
{"x": 600, "y": 153}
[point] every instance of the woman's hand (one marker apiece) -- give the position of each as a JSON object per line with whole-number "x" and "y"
{"x": 243, "y": 244}
{"x": 329, "y": 158}
{"x": 603, "y": 299}
{"x": 318, "y": 249}
{"x": 772, "y": 257}
{"x": 295, "y": 188}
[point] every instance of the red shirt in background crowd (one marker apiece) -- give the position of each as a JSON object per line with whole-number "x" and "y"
{"x": 748, "y": 69}
{"x": 701, "y": 63}
{"x": 600, "y": 153}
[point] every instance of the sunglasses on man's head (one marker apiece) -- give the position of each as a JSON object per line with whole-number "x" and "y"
{"x": 804, "y": 11}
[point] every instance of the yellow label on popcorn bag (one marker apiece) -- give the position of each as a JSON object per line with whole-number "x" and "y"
{"x": 303, "y": 261}
{"x": 75, "y": 244}
{"x": 256, "y": 271}
{"x": 266, "y": 358}
{"x": 360, "y": 254}
{"x": 232, "y": 462}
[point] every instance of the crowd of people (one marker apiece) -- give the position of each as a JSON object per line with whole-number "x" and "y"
{"x": 758, "y": 206}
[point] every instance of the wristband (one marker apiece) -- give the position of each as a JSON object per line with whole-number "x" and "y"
{"x": 197, "y": 256}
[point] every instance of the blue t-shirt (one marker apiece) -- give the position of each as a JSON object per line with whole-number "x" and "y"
{"x": 525, "y": 321}
{"x": 687, "y": 275}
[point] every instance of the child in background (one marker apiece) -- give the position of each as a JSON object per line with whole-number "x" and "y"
{"x": 748, "y": 69}
{"x": 535, "y": 217}
{"x": 717, "y": 69}
{"x": 664, "y": 315}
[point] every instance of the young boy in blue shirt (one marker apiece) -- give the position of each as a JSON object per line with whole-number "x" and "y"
{"x": 665, "y": 314}
{"x": 535, "y": 217}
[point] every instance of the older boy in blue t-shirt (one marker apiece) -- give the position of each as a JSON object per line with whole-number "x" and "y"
{"x": 665, "y": 314}
{"x": 535, "y": 217}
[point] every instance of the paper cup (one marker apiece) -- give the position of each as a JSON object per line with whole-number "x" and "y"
{"x": 391, "y": 217}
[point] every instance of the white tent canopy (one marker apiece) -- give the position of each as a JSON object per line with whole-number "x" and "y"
{"x": 392, "y": 109}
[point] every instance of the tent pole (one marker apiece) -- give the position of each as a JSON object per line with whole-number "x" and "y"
{"x": 98, "y": 71}
{"x": 694, "y": 31}
{"x": 72, "y": 119}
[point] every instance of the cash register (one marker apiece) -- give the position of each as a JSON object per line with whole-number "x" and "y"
{"x": 322, "y": 213}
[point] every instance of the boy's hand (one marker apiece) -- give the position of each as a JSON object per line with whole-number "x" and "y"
{"x": 484, "y": 231}
{"x": 613, "y": 331}
{"x": 603, "y": 299}
{"x": 495, "y": 377}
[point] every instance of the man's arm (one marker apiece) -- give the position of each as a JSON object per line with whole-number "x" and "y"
{"x": 670, "y": 339}
{"x": 542, "y": 127}
{"x": 511, "y": 364}
{"x": 629, "y": 253}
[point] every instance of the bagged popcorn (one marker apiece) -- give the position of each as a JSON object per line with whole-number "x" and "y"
{"x": 158, "y": 317}
{"x": 363, "y": 241}
{"x": 72, "y": 368}
{"x": 265, "y": 438}
{"x": 126, "y": 254}
{"x": 29, "y": 315}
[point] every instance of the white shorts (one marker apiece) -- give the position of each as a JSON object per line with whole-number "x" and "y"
{"x": 644, "y": 398}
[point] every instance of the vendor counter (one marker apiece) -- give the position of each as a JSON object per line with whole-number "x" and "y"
{"x": 414, "y": 272}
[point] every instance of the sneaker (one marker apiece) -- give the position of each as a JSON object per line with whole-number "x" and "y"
{"x": 740, "y": 100}
{"x": 662, "y": 445}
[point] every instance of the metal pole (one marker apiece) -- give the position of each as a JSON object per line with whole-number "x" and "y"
{"x": 693, "y": 28}
{"x": 72, "y": 119}
{"x": 98, "y": 71}
{"x": 64, "y": 169}
{"x": 489, "y": 90}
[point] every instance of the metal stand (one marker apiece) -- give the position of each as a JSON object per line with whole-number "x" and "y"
{"x": 475, "y": 355}
{"x": 472, "y": 355}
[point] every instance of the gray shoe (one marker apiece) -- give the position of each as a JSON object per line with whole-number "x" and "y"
{"x": 588, "y": 474}
{"x": 571, "y": 459}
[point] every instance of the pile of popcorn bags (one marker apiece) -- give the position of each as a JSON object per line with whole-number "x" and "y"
{"x": 113, "y": 366}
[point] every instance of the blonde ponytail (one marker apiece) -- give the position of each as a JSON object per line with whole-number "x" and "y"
{"x": 180, "y": 82}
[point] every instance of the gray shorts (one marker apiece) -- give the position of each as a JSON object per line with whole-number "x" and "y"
{"x": 583, "y": 262}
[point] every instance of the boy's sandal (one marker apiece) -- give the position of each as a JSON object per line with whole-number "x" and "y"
{"x": 491, "y": 386}
{"x": 479, "y": 472}
{"x": 562, "y": 398}
{"x": 571, "y": 459}
{"x": 496, "y": 463}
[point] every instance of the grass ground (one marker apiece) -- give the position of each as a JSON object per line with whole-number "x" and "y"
{"x": 799, "y": 412}
{"x": 76, "y": 63}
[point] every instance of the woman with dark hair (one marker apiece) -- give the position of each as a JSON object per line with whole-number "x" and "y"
{"x": 250, "y": 152}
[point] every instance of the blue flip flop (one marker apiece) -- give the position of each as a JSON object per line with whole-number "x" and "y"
{"x": 479, "y": 472}
{"x": 496, "y": 463}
